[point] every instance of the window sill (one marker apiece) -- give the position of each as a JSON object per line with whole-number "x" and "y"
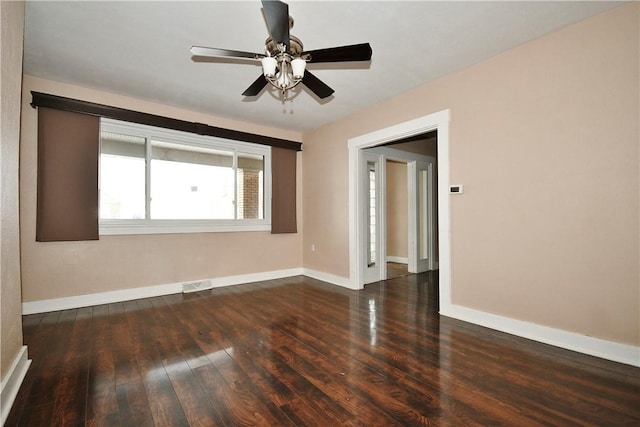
{"x": 110, "y": 228}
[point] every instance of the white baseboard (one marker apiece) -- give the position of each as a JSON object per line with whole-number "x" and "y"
{"x": 609, "y": 350}
{"x": 398, "y": 259}
{"x": 622, "y": 353}
{"x": 329, "y": 278}
{"x": 11, "y": 383}
{"x": 77, "y": 301}
{"x": 255, "y": 277}
{"x": 65, "y": 303}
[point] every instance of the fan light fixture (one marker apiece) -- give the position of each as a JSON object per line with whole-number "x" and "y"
{"x": 285, "y": 60}
{"x": 283, "y": 71}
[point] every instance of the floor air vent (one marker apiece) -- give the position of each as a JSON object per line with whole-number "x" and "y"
{"x": 199, "y": 285}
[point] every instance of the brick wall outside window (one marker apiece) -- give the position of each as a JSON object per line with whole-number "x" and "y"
{"x": 248, "y": 194}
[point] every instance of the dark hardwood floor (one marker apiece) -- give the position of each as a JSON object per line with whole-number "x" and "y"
{"x": 301, "y": 352}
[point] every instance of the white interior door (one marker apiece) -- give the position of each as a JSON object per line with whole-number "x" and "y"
{"x": 372, "y": 181}
{"x": 421, "y": 216}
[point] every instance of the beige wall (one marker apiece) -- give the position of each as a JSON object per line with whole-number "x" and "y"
{"x": 545, "y": 139}
{"x": 60, "y": 269}
{"x": 397, "y": 210}
{"x": 12, "y": 17}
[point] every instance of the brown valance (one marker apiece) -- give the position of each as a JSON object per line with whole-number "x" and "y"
{"x": 283, "y": 189}
{"x": 67, "y": 199}
{"x": 90, "y": 108}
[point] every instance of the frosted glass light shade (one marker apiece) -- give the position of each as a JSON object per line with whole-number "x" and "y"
{"x": 297, "y": 67}
{"x": 269, "y": 66}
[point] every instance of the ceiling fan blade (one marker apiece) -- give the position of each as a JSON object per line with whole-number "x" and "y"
{"x": 277, "y": 15}
{"x": 256, "y": 87}
{"x": 223, "y": 53}
{"x": 316, "y": 85}
{"x": 354, "y": 52}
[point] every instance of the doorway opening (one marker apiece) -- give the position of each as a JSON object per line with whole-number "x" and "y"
{"x": 399, "y": 227}
{"x": 361, "y": 161}
{"x": 409, "y": 195}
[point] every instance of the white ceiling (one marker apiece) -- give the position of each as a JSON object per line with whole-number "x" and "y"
{"x": 141, "y": 49}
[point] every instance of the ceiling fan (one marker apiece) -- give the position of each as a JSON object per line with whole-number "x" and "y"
{"x": 284, "y": 61}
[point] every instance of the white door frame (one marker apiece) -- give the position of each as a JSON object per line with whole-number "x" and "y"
{"x": 416, "y": 264}
{"x": 437, "y": 121}
{"x": 379, "y": 269}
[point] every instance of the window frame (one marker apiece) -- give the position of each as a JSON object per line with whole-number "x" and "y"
{"x": 163, "y": 226}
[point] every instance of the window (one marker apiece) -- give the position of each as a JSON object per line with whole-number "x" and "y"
{"x": 155, "y": 180}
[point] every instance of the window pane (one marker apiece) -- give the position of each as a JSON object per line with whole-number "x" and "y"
{"x": 250, "y": 195}
{"x": 191, "y": 182}
{"x": 371, "y": 235}
{"x": 122, "y": 176}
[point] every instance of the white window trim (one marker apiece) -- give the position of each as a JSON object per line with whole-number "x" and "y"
{"x": 151, "y": 226}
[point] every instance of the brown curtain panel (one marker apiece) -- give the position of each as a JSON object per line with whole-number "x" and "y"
{"x": 68, "y": 150}
{"x": 283, "y": 188}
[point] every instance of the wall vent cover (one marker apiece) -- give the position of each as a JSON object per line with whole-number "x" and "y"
{"x": 200, "y": 285}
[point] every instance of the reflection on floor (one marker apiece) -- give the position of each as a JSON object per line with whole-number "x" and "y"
{"x": 297, "y": 351}
{"x": 395, "y": 270}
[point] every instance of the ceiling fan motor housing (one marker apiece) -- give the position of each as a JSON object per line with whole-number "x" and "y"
{"x": 295, "y": 46}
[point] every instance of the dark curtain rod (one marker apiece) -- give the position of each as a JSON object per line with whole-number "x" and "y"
{"x": 76, "y": 106}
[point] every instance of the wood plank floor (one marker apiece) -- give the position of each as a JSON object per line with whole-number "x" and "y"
{"x": 298, "y": 351}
